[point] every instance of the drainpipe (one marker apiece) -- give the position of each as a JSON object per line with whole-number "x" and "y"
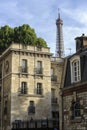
{"x": 61, "y": 110}
{"x": 2, "y": 98}
{"x": 34, "y": 71}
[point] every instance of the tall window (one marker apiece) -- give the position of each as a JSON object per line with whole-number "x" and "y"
{"x": 55, "y": 114}
{"x": 0, "y": 93}
{"x": 53, "y": 96}
{"x": 52, "y": 71}
{"x": 53, "y": 76}
{"x": 31, "y": 108}
{"x": 5, "y": 108}
{"x": 75, "y": 70}
{"x": 1, "y": 71}
{"x": 24, "y": 88}
{"x": 39, "y": 67}
{"x": 39, "y": 88}
{"x": 24, "y": 65}
{"x": 52, "y": 93}
{"x": 76, "y": 110}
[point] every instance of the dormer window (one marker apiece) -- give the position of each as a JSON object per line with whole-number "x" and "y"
{"x": 75, "y": 70}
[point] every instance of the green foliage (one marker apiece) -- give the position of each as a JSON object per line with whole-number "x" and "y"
{"x": 6, "y": 37}
{"x": 41, "y": 42}
{"x": 23, "y": 34}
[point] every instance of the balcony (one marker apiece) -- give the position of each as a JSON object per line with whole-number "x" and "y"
{"x": 23, "y": 91}
{"x": 54, "y": 78}
{"x": 38, "y": 71}
{"x": 54, "y": 100}
{"x": 23, "y": 70}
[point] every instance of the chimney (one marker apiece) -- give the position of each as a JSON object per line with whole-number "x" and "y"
{"x": 81, "y": 42}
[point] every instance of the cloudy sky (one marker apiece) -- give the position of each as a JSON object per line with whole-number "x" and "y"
{"x": 42, "y": 14}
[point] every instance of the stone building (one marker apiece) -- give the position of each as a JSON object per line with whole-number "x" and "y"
{"x": 74, "y": 88}
{"x": 56, "y": 75}
{"x": 29, "y": 83}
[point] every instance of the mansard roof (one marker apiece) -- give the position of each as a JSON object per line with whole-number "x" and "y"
{"x": 82, "y": 54}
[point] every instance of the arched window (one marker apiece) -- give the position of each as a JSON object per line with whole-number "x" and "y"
{"x": 75, "y": 69}
{"x": 77, "y": 112}
{"x": 31, "y": 108}
{"x": 76, "y": 109}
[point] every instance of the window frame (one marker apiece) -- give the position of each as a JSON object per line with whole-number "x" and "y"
{"x": 52, "y": 71}
{"x": 76, "y": 110}
{"x": 75, "y": 69}
{"x": 39, "y": 88}
{"x": 23, "y": 87}
{"x": 39, "y": 69}
{"x": 31, "y": 108}
{"x": 39, "y": 64}
{"x": 24, "y": 65}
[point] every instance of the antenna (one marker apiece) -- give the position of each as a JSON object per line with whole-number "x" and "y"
{"x": 59, "y": 13}
{"x": 69, "y": 50}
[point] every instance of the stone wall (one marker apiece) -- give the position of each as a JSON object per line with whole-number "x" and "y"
{"x": 79, "y": 123}
{"x": 20, "y": 103}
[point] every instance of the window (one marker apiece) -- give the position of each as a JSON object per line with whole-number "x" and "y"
{"x": 23, "y": 88}
{"x": 5, "y": 108}
{"x": 39, "y": 67}
{"x": 1, "y": 71}
{"x": 24, "y": 65}
{"x": 39, "y": 64}
{"x": 53, "y": 76}
{"x": 39, "y": 88}
{"x": 75, "y": 70}
{"x": 31, "y": 108}
{"x": 76, "y": 110}
{"x": 53, "y": 96}
{"x": 55, "y": 114}
{"x": 52, "y": 93}
{"x": 52, "y": 71}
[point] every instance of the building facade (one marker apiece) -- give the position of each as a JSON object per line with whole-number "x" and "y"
{"x": 74, "y": 88}
{"x": 29, "y": 84}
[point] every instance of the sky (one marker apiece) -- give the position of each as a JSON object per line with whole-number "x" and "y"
{"x": 42, "y": 14}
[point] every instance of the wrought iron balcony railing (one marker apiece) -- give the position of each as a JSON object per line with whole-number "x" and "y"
{"x": 23, "y": 91}
{"x": 23, "y": 70}
{"x": 38, "y": 70}
{"x": 39, "y": 91}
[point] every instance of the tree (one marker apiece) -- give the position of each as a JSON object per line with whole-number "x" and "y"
{"x": 41, "y": 42}
{"x": 6, "y": 37}
{"x": 23, "y": 34}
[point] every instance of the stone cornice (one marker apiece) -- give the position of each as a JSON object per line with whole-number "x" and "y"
{"x": 9, "y": 50}
{"x": 79, "y": 88}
